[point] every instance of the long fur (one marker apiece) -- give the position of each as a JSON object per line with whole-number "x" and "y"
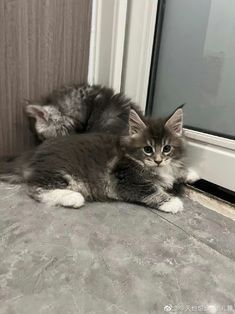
{"x": 96, "y": 167}
{"x": 80, "y": 109}
{"x": 11, "y": 167}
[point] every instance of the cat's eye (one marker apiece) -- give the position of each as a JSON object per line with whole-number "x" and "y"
{"x": 166, "y": 148}
{"x": 148, "y": 150}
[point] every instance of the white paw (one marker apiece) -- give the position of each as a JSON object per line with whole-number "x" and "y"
{"x": 72, "y": 199}
{"x": 175, "y": 205}
{"x": 192, "y": 176}
{"x": 66, "y": 198}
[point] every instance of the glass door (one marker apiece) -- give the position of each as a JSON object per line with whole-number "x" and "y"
{"x": 194, "y": 63}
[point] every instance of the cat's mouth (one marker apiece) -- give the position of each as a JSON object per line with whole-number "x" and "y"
{"x": 158, "y": 163}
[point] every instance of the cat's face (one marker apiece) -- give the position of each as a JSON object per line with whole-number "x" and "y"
{"x": 156, "y": 143}
{"x": 48, "y": 121}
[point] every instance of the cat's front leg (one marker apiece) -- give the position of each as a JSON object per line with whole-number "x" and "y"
{"x": 132, "y": 185}
{"x": 174, "y": 205}
{"x": 164, "y": 202}
{"x": 191, "y": 176}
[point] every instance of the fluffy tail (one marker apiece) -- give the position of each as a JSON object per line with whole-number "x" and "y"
{"x": 11, "y": 168}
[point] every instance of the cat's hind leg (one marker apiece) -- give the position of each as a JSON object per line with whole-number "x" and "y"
{"x": 57, "y": 197}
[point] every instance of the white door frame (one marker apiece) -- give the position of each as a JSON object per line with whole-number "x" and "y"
{"x": 108, "y": 27}
{"x": 213, "y": 157}
{"x": 122, "y": 36}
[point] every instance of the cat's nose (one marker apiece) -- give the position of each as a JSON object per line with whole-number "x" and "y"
{"x": 158, "y": 161}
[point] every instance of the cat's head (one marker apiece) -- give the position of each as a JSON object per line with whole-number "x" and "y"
{"x": 48, "y": 122}
{"x": 156, "y": 142}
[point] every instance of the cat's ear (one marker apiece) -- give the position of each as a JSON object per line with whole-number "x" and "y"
{"x": 136, "y": 124}
{"x": 175, "y": 122}
{"x": 37, "y": 112}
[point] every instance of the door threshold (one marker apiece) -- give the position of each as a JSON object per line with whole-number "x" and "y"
{"x": 210, "y": 201}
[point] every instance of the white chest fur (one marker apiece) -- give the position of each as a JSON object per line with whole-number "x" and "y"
{"x": 167, "y": 176}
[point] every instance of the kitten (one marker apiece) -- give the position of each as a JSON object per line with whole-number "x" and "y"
{"x": 141, "y": 167}
{"x": 78, "y": 109}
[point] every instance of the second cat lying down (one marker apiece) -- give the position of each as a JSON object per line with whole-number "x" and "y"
{"x": 79, "y": 109}
{"x": 141, "y": 167}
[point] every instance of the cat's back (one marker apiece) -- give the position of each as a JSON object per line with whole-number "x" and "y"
{"x": 83, "y": 149}
{"x": 69, "y": 99}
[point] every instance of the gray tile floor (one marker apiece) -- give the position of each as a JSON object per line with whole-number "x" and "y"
{"x": 113, "y": 258}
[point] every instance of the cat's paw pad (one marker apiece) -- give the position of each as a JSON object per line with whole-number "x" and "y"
{"x": 192, "y": 176}
{"x": 175, "y": 205}
{"x": 73, "y": 200}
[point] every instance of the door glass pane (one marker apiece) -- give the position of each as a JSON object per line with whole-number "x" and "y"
{"x": 197, "y": 64}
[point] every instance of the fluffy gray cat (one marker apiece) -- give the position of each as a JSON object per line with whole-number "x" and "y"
{"x": 78, "y": 109}
{"x": 141, "y": 167}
